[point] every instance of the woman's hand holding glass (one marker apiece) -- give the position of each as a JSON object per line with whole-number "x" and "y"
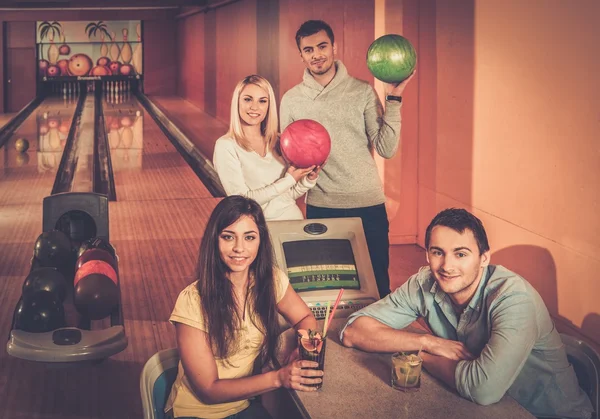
{"x": 293, "y": 375}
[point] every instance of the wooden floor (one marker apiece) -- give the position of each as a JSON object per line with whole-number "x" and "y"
{"x": 156, "y": 225}
{"x": 5, "y": 117}
{"x": 202, "y": 129}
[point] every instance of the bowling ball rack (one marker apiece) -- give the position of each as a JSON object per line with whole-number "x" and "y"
{"x": 78, "y": 342}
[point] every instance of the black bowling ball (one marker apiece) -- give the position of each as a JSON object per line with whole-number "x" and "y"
{"x": 96, "y": 243}
{"x": 39, "y": 312}
{"x": 95, "y": 296}
{"x": 46, "y": 280}
{"x": 53, "y": 249}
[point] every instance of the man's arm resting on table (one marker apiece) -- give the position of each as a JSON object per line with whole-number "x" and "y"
{"x": 486, "y": 379}
{"x": 440, "y": 367}
{"x": 369, "y": 334}
{"x": 444, "y": 369}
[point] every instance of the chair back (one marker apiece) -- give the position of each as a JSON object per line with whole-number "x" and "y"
{"x": 156, "y": 381}
{"x": 586, "y": 363}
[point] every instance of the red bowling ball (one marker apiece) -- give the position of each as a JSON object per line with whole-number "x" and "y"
{"x": 97, "y": 267}
{"x": 43, "y": 67}
{"x": 114, "y": 67}
{"x": 96, "y": 254}
{"x": 305, "y": 143}
{"x": 53, "y": 71}
{"x": 64, "y": 67}
{"x": 127, "y": 70}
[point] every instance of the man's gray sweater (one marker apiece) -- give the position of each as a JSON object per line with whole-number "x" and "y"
{"x": 352, "y": 114}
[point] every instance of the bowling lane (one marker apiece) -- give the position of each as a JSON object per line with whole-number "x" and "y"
{"x": 146, "y": 165}
{"x": 26, "y": 178}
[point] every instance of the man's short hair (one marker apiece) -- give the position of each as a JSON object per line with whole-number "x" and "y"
{"x": 459, "y": 220}
{"x": 311, "y": 27}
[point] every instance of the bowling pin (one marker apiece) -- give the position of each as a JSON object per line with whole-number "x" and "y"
{"x": 115, "y": 51}
{"x": 54, "y": 139}
{"x": 137, "y": 54}
{"x": 138, "y": 130}
{"x": 53, "y": 52}
{"x": 103, "y": 47}
{"x": 113, "y": 139}
{"x": 126, "y": 52}
{"x": 127, "y": 137}
{"x": 119, "y": 132}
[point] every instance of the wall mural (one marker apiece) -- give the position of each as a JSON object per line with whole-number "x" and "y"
{"x": 80, "y": 49}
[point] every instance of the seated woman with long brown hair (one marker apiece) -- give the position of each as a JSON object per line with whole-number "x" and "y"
{"x": 227, "y": 319}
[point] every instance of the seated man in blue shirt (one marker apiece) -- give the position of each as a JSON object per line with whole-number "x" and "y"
{"x": 492, "y": 333}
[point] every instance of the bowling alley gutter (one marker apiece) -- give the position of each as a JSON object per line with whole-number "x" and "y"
{"x": 199, "y": 163}
{"x": 83, "y": 175}
{"x": 75, "y": 173}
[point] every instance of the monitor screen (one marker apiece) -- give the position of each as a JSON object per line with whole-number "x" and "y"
{"x": 326, "y": 264}
{"x": 322, "y": 256}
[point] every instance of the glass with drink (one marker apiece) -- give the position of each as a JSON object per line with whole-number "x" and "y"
{"x": 311, "y": 347}
{"x": 406, "y": 371}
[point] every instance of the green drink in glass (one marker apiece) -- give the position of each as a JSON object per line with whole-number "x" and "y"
{"x": 406, "y": 371}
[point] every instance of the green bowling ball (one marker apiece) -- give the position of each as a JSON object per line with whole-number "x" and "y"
{"x": 391, "y": 58}
{"x": 22, "y": 145}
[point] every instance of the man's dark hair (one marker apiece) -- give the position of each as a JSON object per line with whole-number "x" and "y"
{"x": 311, "y": 27}
{"x": 459, "y": 220}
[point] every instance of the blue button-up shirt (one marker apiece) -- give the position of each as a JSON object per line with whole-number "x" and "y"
{"x": 507, "y": 327}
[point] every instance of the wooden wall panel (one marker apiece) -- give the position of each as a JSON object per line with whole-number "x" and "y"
{"x": 399, "y": 174}
{"x": 267, "y": 39}
{"x": 2, "y": 79}
{"x": 160, "y": 57}
{"x": 20, "y": 65}
{"x": 20, "y": 74}
{"x": 210, "y": 63}
{"x": 236, "y": 50}
{"x": 20, "y": 34}
{"x": 190, "y": 59}
{"x": 358, "y": 33}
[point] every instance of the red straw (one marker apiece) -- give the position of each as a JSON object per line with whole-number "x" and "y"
{"x": 337, "y": 301}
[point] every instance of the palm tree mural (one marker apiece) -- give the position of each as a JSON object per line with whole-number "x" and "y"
{"x": 46, "y": 27}
{"x": 93, "y": 29}
{"x": 50, "y": 30}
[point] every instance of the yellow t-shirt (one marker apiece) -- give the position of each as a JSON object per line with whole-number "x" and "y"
{"x": 187, "y": 311}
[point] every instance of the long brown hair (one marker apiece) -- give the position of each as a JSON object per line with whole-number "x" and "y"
{"x": 221, "y": 318}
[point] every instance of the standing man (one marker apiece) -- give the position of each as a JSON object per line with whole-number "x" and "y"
{"x": 349, "y": 184}
{"x": 492, "y": 333}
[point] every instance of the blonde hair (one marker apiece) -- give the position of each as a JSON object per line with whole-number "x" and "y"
{"x": 268, "y": 127}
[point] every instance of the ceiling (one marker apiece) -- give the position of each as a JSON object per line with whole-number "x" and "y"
{"x": 105, "y": 4}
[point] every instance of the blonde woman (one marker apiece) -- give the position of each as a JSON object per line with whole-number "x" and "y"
{"x": 247, "y": 162}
